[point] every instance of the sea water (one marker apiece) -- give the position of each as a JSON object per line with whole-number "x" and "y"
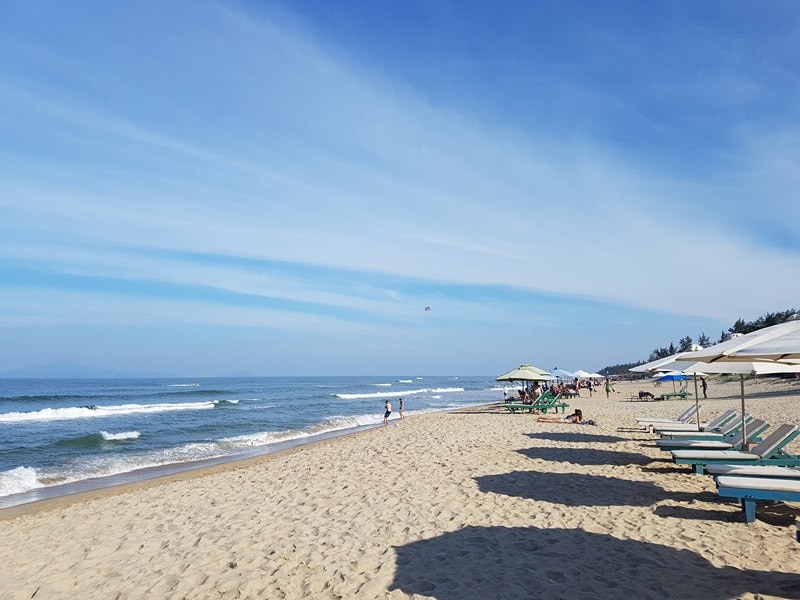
{"x": 59, "y": 436}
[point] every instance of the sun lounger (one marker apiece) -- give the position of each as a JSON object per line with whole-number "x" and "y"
{"x": 546, "y": 402}
{"x": 749, "y": 490}
{"x": 516, "y": 407}
{"x": 768, "y": 452}
{"x": 754, "y": 471}
{"x": 683, "y": 394}
{"x": 650, "y": 423}
{"x": 713, "y": 425}
{"x": 734, "y": 442}
{"x": 730, "y": 428}
{"x": 687, "y": 414}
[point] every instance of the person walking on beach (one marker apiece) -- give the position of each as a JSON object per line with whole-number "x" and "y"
{"x": 704, "y": 385}
{"x": 388, "y": 408}
{"x": 400, "y": 408}
{"x": 590, "y": 385}
{"x": 609, "y": 388}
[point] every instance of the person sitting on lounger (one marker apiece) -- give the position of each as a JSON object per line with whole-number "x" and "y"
{"x": 576, "y": 417}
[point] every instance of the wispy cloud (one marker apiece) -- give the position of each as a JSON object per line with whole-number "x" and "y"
{"x": 237, "y": 138}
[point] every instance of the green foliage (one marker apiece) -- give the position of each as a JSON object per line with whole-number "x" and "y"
{"x": 685, "y": 344}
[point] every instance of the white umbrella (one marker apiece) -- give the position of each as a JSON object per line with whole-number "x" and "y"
{"x": 581, "y": 374}
{"x": 562, "y": 374}
{"x": 657, "y": 364}
{"x": 778, "y": 343}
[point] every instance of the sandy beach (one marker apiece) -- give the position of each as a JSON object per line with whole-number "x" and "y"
{"x": 471, "y": 504}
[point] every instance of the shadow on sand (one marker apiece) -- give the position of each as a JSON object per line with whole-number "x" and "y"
{"x": 475, "y": 563}
{"x": 572, "y": 436}
{"x": 576, "y": 489}
{"x": 587, "y": 456}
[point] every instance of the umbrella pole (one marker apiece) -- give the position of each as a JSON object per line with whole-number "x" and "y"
{"x": 696, "y": 403}
{"x": 744, "y": 423}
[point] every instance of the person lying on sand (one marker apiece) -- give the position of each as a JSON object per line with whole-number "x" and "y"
{"x": 576, "y": 417}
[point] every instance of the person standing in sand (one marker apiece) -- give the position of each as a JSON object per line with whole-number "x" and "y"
{"x": 388, "y": 411}
{"x": 704, "y": 385}
{"x": 609, "y": 388}
{"x": 400, "y": 408}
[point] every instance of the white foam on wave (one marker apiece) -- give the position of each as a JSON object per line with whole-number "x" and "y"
{"x": 18, "y": 480}
{"x": 85, "y": 412}
{"x": 404, "y": 380}
{"x": 382, "y": 384}
{"x": 399, "y": 393}
{"x": 124, "y": 435}
{"x": 22, "y": 479}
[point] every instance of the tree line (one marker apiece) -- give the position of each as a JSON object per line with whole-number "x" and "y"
{"x": 685, "y": 343}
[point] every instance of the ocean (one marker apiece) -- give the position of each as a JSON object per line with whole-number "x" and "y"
{"x": 62, "y": 436}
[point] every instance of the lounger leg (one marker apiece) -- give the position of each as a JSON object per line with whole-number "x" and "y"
{"x": 698, "y": 468}
{"x": 749, "y": 507}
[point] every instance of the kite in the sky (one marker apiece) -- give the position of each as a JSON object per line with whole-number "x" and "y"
{"x": 427, "y": 309}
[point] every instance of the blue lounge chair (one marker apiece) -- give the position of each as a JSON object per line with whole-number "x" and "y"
{"x": 768, "y": 452}
{"x": 733, "y": 442}
{"x": 749, "y": 490}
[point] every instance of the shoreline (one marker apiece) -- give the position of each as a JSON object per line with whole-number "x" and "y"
{"x": 152, "y": 476}
{"x": 470, "y": 503}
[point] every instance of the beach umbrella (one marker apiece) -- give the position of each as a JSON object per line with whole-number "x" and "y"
{"x": 657, "y": 364}
{"x": 778, "y": 343}
{"x": 525, "y": 372}
{"x": 672, "y": 376}
{"x": 581, "y": 374}
{"x": 562, "y": 374}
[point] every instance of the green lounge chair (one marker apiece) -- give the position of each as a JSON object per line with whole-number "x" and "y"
{"x": 754, "y": 471}
{"x": 713, "y": 425}
{"x": 546, "y": 402}
{"x": 516, "y": 407}
{"x": 768, "y": 452}
{"x": 749, "y": 490}
{"x": 730, "y": 428}
{"x": 650, "y": 422}
{"x": 734, "y": 442}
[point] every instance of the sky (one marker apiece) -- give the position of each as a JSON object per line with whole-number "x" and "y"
{"x": 282, "y": 188}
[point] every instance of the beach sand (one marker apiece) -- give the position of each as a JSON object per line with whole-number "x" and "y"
{"x": 471, "y": 504}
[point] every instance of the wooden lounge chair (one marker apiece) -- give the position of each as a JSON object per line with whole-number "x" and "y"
{"x": 768, "y": 452}
{"x": 734, "y": 442}
{"x": 749, "y": 490}
{"x": 713, "y": 425}
{"x": 730, "y": 428}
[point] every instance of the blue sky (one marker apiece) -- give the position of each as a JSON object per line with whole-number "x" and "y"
{"x": 281, "y": 188}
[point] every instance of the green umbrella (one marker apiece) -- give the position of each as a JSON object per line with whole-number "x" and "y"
{"x": 526, "y": 373}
